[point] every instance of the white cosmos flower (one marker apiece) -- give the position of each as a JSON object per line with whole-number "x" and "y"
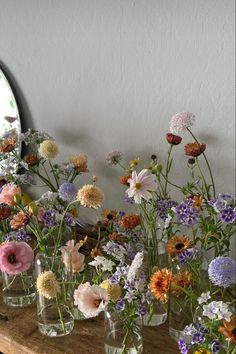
{"x": 141, "y": 185}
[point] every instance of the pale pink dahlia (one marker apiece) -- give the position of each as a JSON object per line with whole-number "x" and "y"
{"x": 71, "y": 256}
{"x": 15, "y": 257}
{"x": 141, "y": 185}
{"x": 181, "y": 121}
{"x": 90, "y": 299}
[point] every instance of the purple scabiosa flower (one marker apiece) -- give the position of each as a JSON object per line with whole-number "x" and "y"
{"x": 216, "y": 346}
{"x": 188, "y": 255}
{"x": 69, "y": 220}
{"x": 141, "y": 310}
{"x": 187, "y": 213}
{"x": 67, "y": 192}
{"x": 228, "y": 215}
{"x": 120, "y": 305}
{"x": 49, "y": 218}
{"x": 183, "y": 346}
{"x": 222, "y": 271}
{"x": 114, "y": 157}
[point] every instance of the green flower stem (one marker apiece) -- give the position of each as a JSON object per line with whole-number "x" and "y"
{"x": 60, "y": 315}
{"x": 55, "y": 177}
{"x": 45, "y": 180}
{"x": 168, "y": 166}
{"x": 203, "y": 179}
{"x": 208, "y": 165}
{"x": 169, "y": 182}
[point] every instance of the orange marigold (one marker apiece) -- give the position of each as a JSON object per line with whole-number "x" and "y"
{"x": 182, "y": 279}
{"x": 178, "y": 244}
{"x": 159, "y": 284}
{"x": 130, "y": 221}
{"x": 108, "y": 214}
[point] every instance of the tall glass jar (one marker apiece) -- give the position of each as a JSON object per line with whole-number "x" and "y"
{"x": 55, "y": 296}
{"x": 121, "y": 337}
{"x": 18, "y": 290}
{"x": 155, "y": 257}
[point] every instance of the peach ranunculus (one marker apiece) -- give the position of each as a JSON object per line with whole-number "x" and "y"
{"x": 70, "y": 255}
{"x": 90, "y": 299}
{"x": 15, "y": 257}
{"x": 79, "y": 162}
{"x": 8, "y": 192}
{"x": 19, "y": 220}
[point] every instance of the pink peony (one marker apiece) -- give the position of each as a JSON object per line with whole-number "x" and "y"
{"x": 141, "y": 185}
{"x": 181, "y": 122}
{"x": 90, "y": 299}
{"x": 15, "y": 257}
{"x": 8, "y": 192}
{"x": 70, "y": 255}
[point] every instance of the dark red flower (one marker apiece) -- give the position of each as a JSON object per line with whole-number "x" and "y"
{"x": 173, "y": 139}
{"x": 124, "y": 180}
{"x": 194, "y": 149}
{"x": 5, "y": 211}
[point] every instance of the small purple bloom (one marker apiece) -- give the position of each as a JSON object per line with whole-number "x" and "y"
{"x": 142, "y": 310}
{"x": 216, "y": 346}
{"x": 120, "y": 305}
{"x": 20, "y": 235}
{"x": 228, "y": 215}
{"x": 162, "y": 207}
{"x": 49, "y": 218}
{"x": 129, "y": 200}
{"x": 69, "y": 219}
{"x": 188, "y": 255}
{"x": 67, "y": 192}
{"x": 222, "y": 271}
{"x": 186, "y": 212}
{"x": 183, "y": 346}
{"x": 198, "y": 338}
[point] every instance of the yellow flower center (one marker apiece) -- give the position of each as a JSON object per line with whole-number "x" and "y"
{"x": 138, "y": 185}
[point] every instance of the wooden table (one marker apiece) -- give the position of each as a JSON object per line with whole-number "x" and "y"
{"x": 19, "y": 335}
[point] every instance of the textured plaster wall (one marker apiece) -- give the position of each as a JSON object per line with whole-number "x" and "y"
{"x": 101, "y": 75}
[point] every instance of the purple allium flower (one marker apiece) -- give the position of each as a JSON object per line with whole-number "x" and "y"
{"x": 114, "y": 157}
{"x": 188, "y": 255}
{"x": 183, "y": 346}
{"x": 67, "y": 192}
{"x": 187, "y": 213}
{"x": 181, "y": 122}
{"x": 216, "y": 346}
{"x": 120, "y": 305}
{"x": 222, "y": 271}
{"x": 141, "y": 310}
{"x": 69, "y": 219}
{"x": 228, "y": 215}
{"x": 49, "y": 218}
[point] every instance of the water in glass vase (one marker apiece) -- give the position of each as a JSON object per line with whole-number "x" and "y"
{"x": 18, "y": 290}
{"x": 114, "y": 340}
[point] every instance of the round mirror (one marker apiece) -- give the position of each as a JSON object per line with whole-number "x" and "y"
{"x": 10, "y": 128}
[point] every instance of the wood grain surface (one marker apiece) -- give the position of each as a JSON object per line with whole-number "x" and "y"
{"x": 19, "y": 335}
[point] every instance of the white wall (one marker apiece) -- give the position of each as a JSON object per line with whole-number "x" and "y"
{"x": 101, "y": 75}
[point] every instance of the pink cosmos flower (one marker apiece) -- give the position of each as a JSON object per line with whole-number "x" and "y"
{"x": 8, "y": 192}
{"x": 70, "y": 255}
{"x": 181, "y": 121}
{"x": 141, "y": 185}
{"x": 15, "y": 257}
{"x": 90, "y": 299}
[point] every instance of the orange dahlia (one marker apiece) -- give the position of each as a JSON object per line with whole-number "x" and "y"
{"x": 159, "y": 284}
{"x": 178, "y": 244}
{"x": 31, "y": 159}
{"x": 229, "y": 329}
{"x": 130, "y": 221}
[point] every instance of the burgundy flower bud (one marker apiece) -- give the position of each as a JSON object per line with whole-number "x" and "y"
{"x": 173, "y": 139}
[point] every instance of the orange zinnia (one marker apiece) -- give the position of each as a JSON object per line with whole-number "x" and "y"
{"x": 159, "y": 284}
{"x": 130, "y": 221}
{"x": 229, "y": 329}
{"x": 178, "y": 244}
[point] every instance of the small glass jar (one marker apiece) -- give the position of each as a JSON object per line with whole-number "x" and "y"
{"x": 121, "y": 337}
{"x": 55, "y": 309}
{"x": 18, "y": 290}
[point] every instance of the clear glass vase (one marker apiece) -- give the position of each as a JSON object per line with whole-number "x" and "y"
{"x": 18, "y": 290}
{"x": 121, "y": 337}
{"x": 55, "y": 296}
{"x": 155, "y": 257}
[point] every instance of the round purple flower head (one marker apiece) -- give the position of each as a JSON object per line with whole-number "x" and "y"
{"x": 67, "y": 192}
{"x": 228, "y": 215}
{"x": 222, "y": 271}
